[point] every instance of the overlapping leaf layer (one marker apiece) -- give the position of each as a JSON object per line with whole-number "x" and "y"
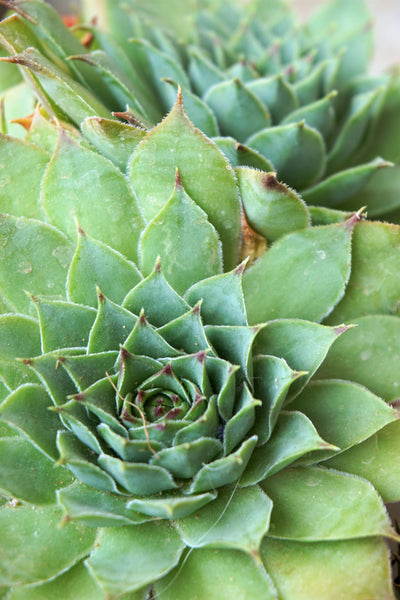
{"x": 289, "y": 98}
{"x": 182, "y": 384}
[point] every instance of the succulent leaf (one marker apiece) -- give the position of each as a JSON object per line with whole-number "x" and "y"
{"x": 152, "y": 174}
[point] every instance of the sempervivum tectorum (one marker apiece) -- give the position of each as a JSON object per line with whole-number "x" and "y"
{"x": 169, "y": 415}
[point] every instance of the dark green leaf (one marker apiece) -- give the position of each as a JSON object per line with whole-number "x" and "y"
{"x": 296, "y": 150}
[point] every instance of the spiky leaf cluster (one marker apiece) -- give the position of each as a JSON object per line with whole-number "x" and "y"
{"x": 169, "y": 412}
{"x": 205, "y": 431}
{"x": 283, "y": 97}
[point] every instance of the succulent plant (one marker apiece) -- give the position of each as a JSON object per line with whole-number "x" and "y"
{"x": 298, "y": 96}
{"x": 177, "y": 422}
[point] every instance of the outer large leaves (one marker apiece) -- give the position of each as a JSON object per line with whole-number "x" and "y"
{"x": 153, "y": 548}
{"x": 27, "y": 474}
{"x": 374, "y": 285}
{"x": 376, "y": 460}
{"x": 303, "y": 275}
{"x": 356, "y": 569}
{"x": 20, "y": 187}
{"x": 368, "y": 354}
{"x": 355, "y": 509}
{"x": 28, "y": 246}
{"x": 40, "y": 549}
{"x": 80, "y": 184}
{"x": 217, "y": 575}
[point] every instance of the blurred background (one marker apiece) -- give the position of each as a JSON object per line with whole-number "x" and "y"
{"x": 386, "y": 15}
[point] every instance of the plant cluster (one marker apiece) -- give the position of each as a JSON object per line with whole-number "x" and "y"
{"x": 199, "y": 335}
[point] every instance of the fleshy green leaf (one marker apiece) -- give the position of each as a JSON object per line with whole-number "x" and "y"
{"x": 19, "y": 336}
{"x": 182, "y": 236}
{"x": 113, "y": 139}
{"x": 97, "y": 508}
{"x": 203, "y": 73}
{"x": 95, "y": 264}
{"x": 63, "y": 324}
{"x": 154, "y": 549}
{"x": 327, "y": 569}
{"x": 272, "y": 209}
{"x": 376, "y": 460}
{"x": 302, "y": 344}
{"x": 197, "y": 111}
{"x": 204, "y": 172}
{"x": 238, "y": 518}
{"x": 235, "y": 344}
{"x": 240, "y": 155}
{"x": 368, "y": 354}
{"x": 81, "y": 184}
{"x": 26, "y": 474}
{"x": 296, "y": 150}
{"x": 238, "y": 110}
{"x": 217, "y": 575}
{"x": 320, "y": 115}
{"x": 276, "y": 94}
{"x": 68, "y": 97}
{"x": 171, "y": 507}
{"x": 327, "y": 216}
{"x": 40, "y": 549}
{"x": 380, "y": 194}
{"x": 112, "y": 326}
{"x": 303, "y": 275}
{"x": 159, "y": 300}
{"x": 335, "y": 408}
{"x": 213, "y": 293}
{"x": 354, "y": 130}
{"x": 272, "y": 379}
{"x": 115, "y": 84}
{"x": 28, "y": 409}
{"x": 86, "y": 369}
{"x": 294, "y": 435}
{"x": 137, "y": 478}
{"x": 355, "y": 509}
{"x": 67, "y": 586}
{"x": 374, "y": 285}
{"x": 27, "y": 245}
{"x": 339, "y": 189}
{"x": 186, "y": 333}
{"x": 152, "y": 66}
{"x": 20, "y": 187}
{"x": 224, "y": 471}
{"x": 81, "y": 462}
{"x": 56, "y": 381}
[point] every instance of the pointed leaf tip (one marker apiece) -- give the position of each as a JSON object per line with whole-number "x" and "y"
{"x": 179, "y": 98}
{"x": 343, "y": 328}
{"x": 142, "y": 318}
{"x": 355, "y": 218}
{"x": 240, "y": 268}
{"x": 178, "y": 180}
